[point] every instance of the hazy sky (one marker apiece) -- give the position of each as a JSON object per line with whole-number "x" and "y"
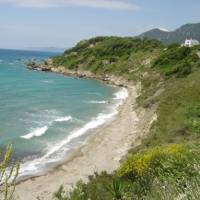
{"x": 62, "y": 23}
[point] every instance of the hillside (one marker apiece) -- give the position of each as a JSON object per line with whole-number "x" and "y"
{"x": 166, "y": 164}
{"x": 109, "y": 55}
{"x": 177, "y": 36}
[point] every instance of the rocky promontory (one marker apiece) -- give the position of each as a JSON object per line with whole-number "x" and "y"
{"x": 47, "y": 66}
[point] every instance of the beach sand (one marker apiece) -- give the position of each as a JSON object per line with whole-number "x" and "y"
{"x": 102, "y": 152}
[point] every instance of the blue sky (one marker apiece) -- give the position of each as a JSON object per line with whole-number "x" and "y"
{"x": 62, "y": 23}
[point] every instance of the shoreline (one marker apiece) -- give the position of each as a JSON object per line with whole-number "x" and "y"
{"x": 88, "y": 130}
{"x": 102, "y": 151}
{"x": 47, "y": 66}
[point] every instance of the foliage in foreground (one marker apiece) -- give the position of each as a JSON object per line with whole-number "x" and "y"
{"x": 8, "y": 175}
{"x": 158, "y": 173}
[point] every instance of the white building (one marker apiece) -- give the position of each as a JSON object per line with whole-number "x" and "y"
{"x": 190, "y": 43}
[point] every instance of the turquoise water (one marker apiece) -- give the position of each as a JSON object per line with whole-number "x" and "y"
{"x": 45, "y": 115}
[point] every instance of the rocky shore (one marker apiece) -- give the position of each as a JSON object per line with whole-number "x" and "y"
{"x": 47, "y": 66}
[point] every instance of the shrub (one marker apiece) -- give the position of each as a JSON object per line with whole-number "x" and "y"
{"x": 115, "y": 50}
{"x": 174, "y": 164}
{"x": 177, "y": 61}
{"x": 156, "y": 161}
{"x": 146, "y": 175}
{"x": 116, "y": 189}
{"x": 172, "y": 56}
{"x": 181, "y": 70}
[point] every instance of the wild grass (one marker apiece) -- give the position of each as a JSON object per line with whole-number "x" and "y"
{"x": 166, "y": 172}
{"x": 8, "y": 174}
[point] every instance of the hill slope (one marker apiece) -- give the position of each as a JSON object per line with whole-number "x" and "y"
{"x": 109, "y": 55}
{"x": 166, "y": 165}
{"x": 177, "y": 36}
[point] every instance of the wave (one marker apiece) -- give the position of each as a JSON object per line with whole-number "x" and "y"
{"x": 121, "y": 94}
{"x": 94, "y": 93}
{"x": 48, "y": 81}
{"x": 56, "y": 152}
{"x": 98, "y": 102}
{"x": 36, "y": 133}
{"x": 99, "y": 120}
{"x": 63, "y": 119}
{"x": 41, "y": 131}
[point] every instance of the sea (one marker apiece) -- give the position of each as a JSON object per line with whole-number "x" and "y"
{"x": 44, "y": 116}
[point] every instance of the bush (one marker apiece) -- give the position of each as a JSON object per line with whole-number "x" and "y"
{"x": 145, "y": 175}
{"x": 181, "y": 70}
{"x": 116, "y": 189}
{"x": 177, "y": 61}
{"x": 113, "y": 50}
{"x": 172, "y": 56}
{"x": 161, "y": 162}
{"x": 174, "y": 164}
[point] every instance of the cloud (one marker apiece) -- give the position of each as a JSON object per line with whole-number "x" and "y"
{"x": 103, "y": 4}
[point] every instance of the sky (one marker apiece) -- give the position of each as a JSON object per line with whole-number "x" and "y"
{"x": 62, "y": 23}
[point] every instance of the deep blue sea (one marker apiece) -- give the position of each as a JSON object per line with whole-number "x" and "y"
{"x": 46, "y": 115}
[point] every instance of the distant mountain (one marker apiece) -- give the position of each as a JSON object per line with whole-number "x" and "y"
{"x": 177, "y": 36}
{"x": 47, "y": 49}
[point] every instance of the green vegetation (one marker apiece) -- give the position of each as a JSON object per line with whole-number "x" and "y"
{"x": 153, "y": 174}
{"x": 105, "y": 55}
{"x": 179, "y": 102}
{"x": 177, "y": 61}
{"x": 8, "y": 174}
{"x": 166, "y": 165}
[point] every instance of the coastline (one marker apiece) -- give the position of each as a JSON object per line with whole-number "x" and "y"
{"x": 102, "y": 151}
{"x": 47, "y": 66}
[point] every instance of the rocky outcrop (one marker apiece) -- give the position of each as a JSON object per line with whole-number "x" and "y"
{"x": 38, "y": 66}
{"x": 106, "y": 78}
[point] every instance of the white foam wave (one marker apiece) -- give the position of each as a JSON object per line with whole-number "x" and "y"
{"x": 63, "y": 119}
{"x": 95, "y": 93}
{"x": 98, "y": 102}
{"x": 121, "y": 94}
{"x": 48, "y": 81}
{"x": 101, "y": 119}
{"x": 41, "y": 131}
{"x": 36, "y": 133}
{"x": 56, "y": 152}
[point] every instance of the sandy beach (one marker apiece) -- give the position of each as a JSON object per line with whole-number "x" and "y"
{"x": 102, "y": 152}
